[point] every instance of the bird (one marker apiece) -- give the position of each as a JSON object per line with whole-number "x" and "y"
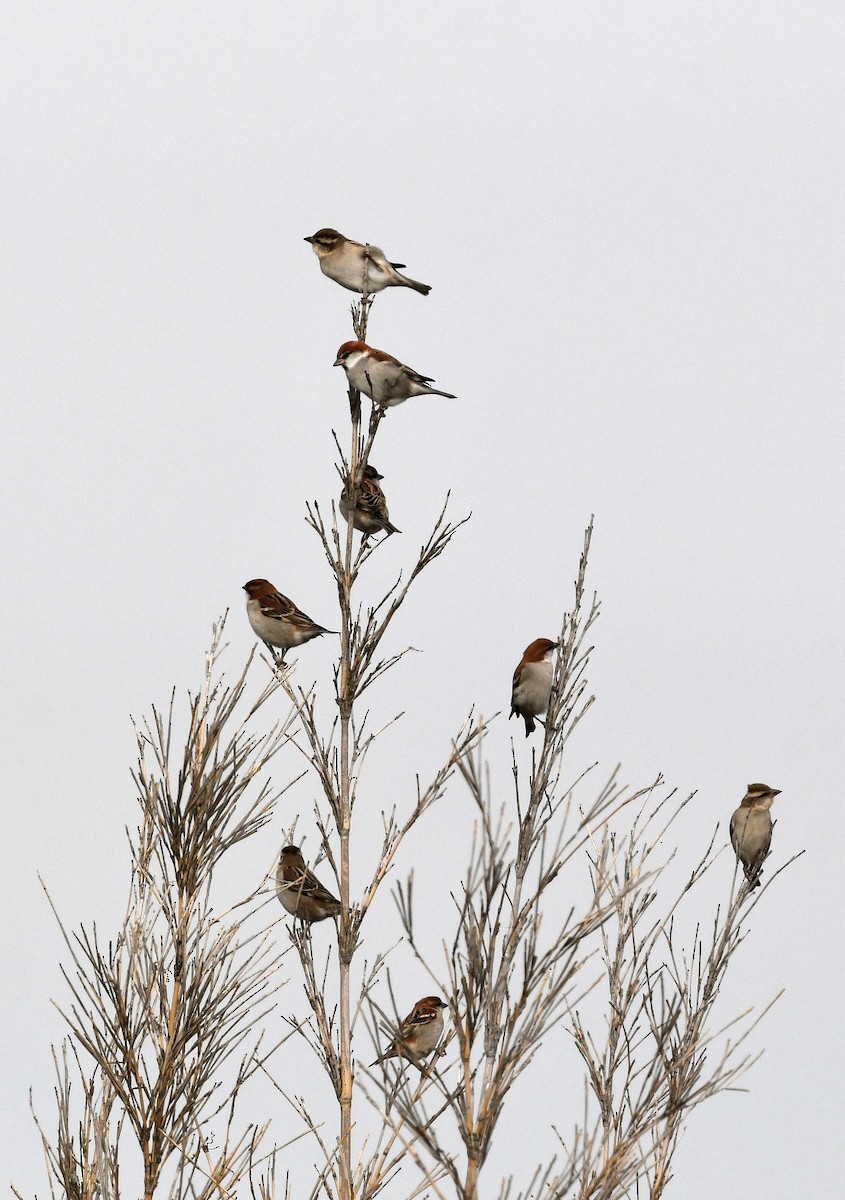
{"x": 351, "y": 264}
{"x": 419, "y": 1033}
{"x": 532, "y": 682}
{"x": 751, "y": 829}
{"x": 370, "y": 514}
{"x": 300, "y": 892}
{"x": 382, "y": 377}
{"x": 276, "y": 619}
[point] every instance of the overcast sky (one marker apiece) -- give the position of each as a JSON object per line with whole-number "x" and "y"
{"x": 631, "y": 218}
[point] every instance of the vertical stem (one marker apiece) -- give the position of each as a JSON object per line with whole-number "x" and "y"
{"x": 346, "y": 940}
{"x": 471, "y": 1183}
{"x": 345, "y": 948}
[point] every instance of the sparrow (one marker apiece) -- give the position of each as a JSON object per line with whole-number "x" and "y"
{"x": 300, "y": 892}
{"x": 419, "y": 1033}
{"x": 381, "y": 376}
{"x": 751, "y": 829}
{"x": 532, "y": 682}
{"x": 277, "y": 620}
{"x": 370, "y": 514}
{"x": 344, "y": 261}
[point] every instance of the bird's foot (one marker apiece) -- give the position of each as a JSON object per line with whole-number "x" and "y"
{"x": 278, "y": 659}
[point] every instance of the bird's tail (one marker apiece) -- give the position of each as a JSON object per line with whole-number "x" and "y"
{"x": 527, "y": 718}
{"x": 422, "y": 288}
{"x": 384, "y": 1057}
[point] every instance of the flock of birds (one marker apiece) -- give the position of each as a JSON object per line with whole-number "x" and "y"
{"x": 281, "y": 625}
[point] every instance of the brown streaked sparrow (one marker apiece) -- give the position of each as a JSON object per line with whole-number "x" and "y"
{"x": 370, "y": 514}
{"x": 382, "y": 377}
{"x": 751, "y": 829}
{"x": 277, "y": 620}
{"x": 532, "y": 682}
{"x": 419, "y": 1033}
{"x": 351, "y": 264}
{"x": 300, "y": 892}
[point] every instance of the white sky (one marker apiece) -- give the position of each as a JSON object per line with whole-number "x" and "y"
{"x": 630, "y": 215}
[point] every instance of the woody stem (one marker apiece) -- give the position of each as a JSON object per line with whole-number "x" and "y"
{"x": 345, "y": 948}
{"x": 346, "y": 936}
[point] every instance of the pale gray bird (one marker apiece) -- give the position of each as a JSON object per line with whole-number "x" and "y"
{"x": 382, "y": 377}
{"x": 751, "y": 829}
{"x": 276, "y": 619}
{"x": 532, "y": 682}
{"x": 352, "y": 265}
{"x": 419, "y": 1033}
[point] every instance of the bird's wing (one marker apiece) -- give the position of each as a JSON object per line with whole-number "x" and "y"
{"x": 306, "y": 883}
{"x": 768, "y": 841}
{"x": 381, "y": 356}
{"x": 517, "y": 675}
{"x": 735, "y": 835}
{"x": 315, "y": 889}
{"x": 280, "y": 608}
{"x": 416, "y": 377}
{"x": 302, "y": 621}
{"x": 378, "y": 261}
{"x": 418, "y": 1019}
{"x": 377, "y": 255}
{"x": 371, "y": 497}
{"x": 277, "y": 606}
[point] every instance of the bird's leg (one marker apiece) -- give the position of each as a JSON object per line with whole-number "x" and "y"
{"x": 375, "y": 417}
{"x": 377, "y": 414}
{"x": 278, "y": 659}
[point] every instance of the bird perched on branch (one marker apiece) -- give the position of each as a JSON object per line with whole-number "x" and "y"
{"x": 300, "y": 892}
{"x": 370, "y": 514}
{"x": 419, "y": 1033}
{"x": 382, "y": 377}
{"x": 352, "y": 264}
{"x": 751, "y": 829}
{"x": 532, "y": 682}
{"x": 276, "y": 619}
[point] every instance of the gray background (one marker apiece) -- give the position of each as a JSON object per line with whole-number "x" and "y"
{"x": 631, "y": 218}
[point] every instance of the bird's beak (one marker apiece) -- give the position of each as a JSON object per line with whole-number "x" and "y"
{"x": 337, "y": 363}
{"x": 311, "y": 240}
